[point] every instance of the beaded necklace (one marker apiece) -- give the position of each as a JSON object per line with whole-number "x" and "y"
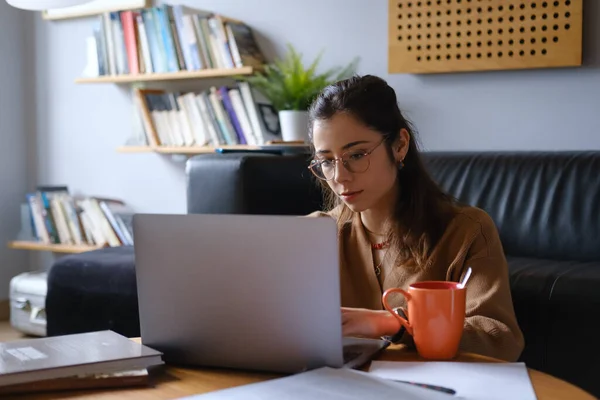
{"x": 379, "y": 246}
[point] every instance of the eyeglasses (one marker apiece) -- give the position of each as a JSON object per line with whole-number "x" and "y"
{"x": 356, "y": 161}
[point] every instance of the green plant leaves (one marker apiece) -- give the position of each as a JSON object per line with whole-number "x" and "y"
{"x": 288, "y": 85}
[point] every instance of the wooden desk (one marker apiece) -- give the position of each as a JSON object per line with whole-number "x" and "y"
{"x": 172, "y": 382}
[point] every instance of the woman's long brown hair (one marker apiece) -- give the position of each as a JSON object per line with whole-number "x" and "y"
{"x": 423, "y": 210}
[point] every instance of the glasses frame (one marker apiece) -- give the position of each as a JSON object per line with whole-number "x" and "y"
{"x": 314, "y": 163}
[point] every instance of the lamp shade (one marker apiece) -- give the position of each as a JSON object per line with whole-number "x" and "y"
{"x": 40, "y": 5}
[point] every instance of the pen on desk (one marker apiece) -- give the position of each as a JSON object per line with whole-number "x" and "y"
{"x": 432, "y": 387}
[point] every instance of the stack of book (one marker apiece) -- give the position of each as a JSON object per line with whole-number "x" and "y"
{"x": 57, "y": 217}
{"x": 225, "y": 115}
{"x": 79, "y": 361}
{"x": 169, "y": 38}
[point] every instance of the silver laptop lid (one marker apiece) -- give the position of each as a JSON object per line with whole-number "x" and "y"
{"x": 240, "y": 291}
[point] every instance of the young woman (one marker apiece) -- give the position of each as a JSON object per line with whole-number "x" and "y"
{"x": 396, "y": 226}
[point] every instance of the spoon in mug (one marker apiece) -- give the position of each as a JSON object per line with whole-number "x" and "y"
{"x": 465, "y": 278}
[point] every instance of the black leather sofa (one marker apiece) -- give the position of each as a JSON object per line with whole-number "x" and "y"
{"x": 546, "y": 206}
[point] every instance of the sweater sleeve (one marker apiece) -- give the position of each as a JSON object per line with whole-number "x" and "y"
{"x": 491, "y": 326}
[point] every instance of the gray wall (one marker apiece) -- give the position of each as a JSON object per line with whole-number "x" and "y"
{"x": 80, "y": 126}
{"x": 14, "y": 109}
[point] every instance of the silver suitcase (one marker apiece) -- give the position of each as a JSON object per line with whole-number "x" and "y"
{"x": 28, "y": 303}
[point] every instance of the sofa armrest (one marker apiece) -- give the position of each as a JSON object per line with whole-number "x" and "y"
{"x": 251, "y": 183}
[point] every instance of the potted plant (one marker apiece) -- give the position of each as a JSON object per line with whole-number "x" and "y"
{"x": 291, "y": 88}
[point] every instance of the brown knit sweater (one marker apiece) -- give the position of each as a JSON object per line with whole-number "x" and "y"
{"x": 471, "y": 240}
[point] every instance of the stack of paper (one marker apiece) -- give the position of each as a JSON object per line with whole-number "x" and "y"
{"x": 327, "y": 384}
{"x": 482, "y": 381}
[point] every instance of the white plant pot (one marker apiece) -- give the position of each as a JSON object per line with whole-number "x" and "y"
{"x": 294, "y": 125}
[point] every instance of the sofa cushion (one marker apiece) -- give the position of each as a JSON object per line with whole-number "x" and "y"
{"x": 92, "y": 291}
{"x": 551, "y": 299}
{"x": 546, "y": 205}
{"x": 575, "y": 308}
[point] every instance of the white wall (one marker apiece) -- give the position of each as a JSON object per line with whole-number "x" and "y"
{"x": 14, "y": 94}
{"x": 80, "y": 126}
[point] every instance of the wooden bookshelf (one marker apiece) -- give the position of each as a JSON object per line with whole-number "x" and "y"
{"x": 170, "y": 76}
{"x": 55, "y": 248}
{"x": 207, "y": 149}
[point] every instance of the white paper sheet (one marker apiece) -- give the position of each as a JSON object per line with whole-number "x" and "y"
{"x": 482, "y": 381}
{"x": 326, "y": 384}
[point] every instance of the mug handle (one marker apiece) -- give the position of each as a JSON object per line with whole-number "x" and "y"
{"x": 408, "y": 297}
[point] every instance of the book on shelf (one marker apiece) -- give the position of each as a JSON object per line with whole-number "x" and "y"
{"x": 169, "y": 38}
{"x": 58, "y": 217}
{"x": 83, "y": 360}
{"x": 225, "y": 115}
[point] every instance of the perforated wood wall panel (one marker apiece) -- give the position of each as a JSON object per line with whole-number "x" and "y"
{"x": 470, "y": 35}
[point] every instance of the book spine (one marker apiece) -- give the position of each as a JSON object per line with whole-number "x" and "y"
{"x": 191, "y": 40}
{"x": 201, "y": 33}
{"x": 180, "y": 31}
{"x": 163, "y": 31}
{"x": 208, "y": 116}
{"x": 157, "y": 51}
{"x": 110, "y": 43}
{"x": 224, "y": 92}
{"x": 36, "y": 211}
{"x": 130, "y": 41}
{"x": 48, "y": 218}
{"x": 144, "y": 43}
{"x": 162, "y": 14}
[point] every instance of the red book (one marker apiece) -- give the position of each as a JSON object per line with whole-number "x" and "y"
{"x": 130, "y": 41}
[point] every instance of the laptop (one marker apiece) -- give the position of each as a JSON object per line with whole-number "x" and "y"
{"x": 252, "y": 292}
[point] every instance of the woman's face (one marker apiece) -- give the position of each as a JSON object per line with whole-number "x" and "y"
{"x": 370, "y": 176}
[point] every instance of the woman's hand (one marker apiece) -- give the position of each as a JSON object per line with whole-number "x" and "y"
{"x": 362, "y": 322}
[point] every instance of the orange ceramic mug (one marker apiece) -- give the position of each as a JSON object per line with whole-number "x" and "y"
{"x": 436, "y": 310}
